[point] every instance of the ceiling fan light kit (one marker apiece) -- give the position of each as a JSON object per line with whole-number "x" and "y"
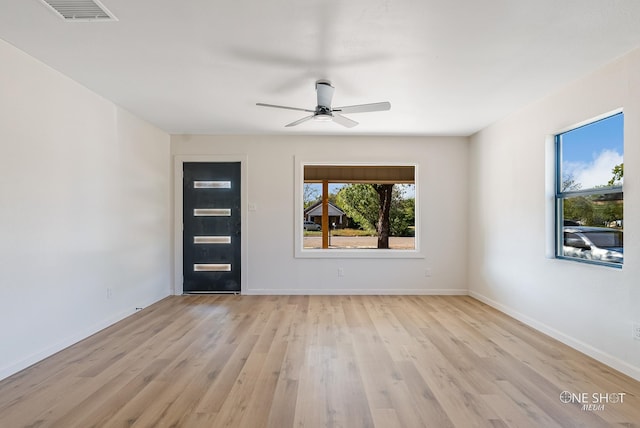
{"x": 323, "y": 117}
{"x": 325, "y": 113}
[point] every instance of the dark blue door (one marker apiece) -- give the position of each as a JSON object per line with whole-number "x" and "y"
{"x": 211, "y": 235}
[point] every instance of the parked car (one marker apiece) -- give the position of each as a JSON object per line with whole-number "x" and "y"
{"x": 594, "y": 243}
{"x": 309, "y": 225}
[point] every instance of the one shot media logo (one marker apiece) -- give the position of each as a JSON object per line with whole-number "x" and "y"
{"x": 592, "y": 401}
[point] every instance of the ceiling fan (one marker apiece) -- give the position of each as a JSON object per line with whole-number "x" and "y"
{"x": 324, "y": 111}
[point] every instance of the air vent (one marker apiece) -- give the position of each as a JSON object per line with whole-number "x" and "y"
{"x": 80, "y": 10}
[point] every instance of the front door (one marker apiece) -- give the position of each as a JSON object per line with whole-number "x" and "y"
{"x": 211, "y": 234}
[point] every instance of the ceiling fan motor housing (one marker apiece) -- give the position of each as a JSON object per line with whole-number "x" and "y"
{"x": 323, "y": 111}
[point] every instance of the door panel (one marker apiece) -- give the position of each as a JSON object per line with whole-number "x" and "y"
{"x": 211, "y": 235}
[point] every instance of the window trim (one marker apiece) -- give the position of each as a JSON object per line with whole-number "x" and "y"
{"x": 560, "y": 196}
{"x": 338, "y": 253}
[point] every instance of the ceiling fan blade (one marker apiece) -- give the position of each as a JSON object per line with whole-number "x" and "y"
{"x": 363, "y": 108}
{"x": 344, "y": 121}
{"x": 284, "y": 107}
{"x": 325, "y": 93}
{"x": 299, "y": 121}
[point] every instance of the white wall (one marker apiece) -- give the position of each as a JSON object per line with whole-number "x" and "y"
{"x": 591, "y": 308}
{"x": 84, "y": 188}
{"x": 271, "y": 266}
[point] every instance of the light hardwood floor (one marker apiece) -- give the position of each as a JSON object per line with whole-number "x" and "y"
{"x": 319, "y": 361}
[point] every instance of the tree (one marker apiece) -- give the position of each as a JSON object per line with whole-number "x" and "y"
{"x": 383, "y": 225}
{"x": 575, "y": 209}
{"x": 310, "y": 194}
{"x": 360, "y": 202}
{"x": 569, "y": 184}
{"x": 579, "y": 209}
{"x": 378, "y": 207}
{"x": 593, "y": 210}
{"x": 618, "y": 174}
{"x": 402, "y": 214}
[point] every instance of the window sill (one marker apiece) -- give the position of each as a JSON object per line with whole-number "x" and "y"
{"x": 591, "y": 262}
{"x": 358, "y": 254}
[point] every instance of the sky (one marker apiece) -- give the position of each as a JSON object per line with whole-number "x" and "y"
{"x": 590, "y": 152}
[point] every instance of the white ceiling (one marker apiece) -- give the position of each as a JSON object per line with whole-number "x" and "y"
{"x": 447, "y": 67}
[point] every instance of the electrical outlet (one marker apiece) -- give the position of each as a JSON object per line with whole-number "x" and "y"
{"x": 340, "y": 272}
{"x": 427, "y": 272}
{"x": 636, "y": 331}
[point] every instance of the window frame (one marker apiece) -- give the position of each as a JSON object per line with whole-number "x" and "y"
{"x": 364, "y": 253}
{"x": 560, "y": 196}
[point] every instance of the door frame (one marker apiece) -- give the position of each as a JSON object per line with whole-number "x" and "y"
{"x": 178, "y": 200}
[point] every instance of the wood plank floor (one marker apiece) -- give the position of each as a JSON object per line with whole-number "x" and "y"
{"x": 319, "y": 361}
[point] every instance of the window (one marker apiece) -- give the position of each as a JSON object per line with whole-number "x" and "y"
{"x": 589, "y": 196}
{"x": 353, "y": 208}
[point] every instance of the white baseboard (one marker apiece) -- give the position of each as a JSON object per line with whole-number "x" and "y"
{"x": 370, "y": 292}
{"x": 603, "y": 357}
